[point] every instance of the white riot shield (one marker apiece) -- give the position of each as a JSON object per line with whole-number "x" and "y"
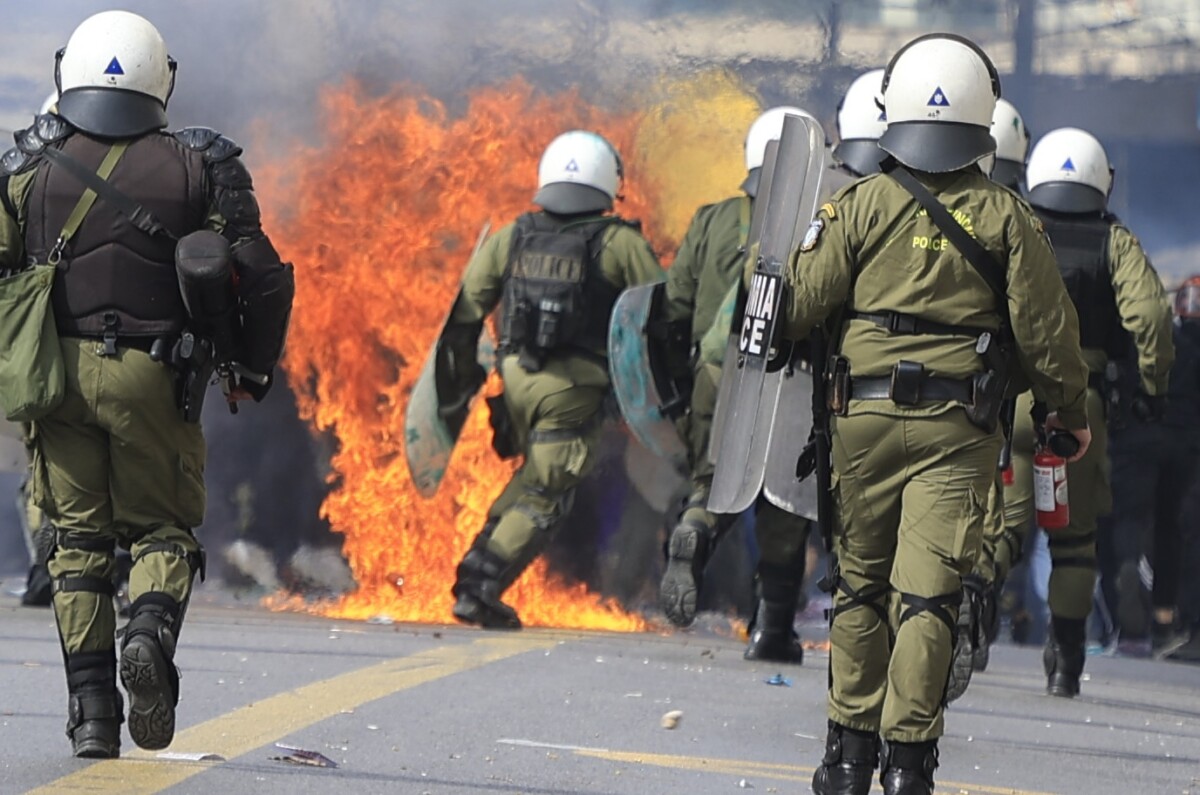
{"x": 755, "y": 383}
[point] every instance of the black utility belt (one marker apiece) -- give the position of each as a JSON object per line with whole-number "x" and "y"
{"x": 931, "y": 388}
{"x": 982, "y": 395}
{"x": 908, "y": 385}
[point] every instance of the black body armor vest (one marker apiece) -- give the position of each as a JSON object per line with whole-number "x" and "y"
{"x": 113, "y": 277}
{"x": 1081, "y": 248}
{"x": 555, "y": 298}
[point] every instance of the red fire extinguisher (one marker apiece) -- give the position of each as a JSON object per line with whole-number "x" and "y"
{"x": 1050, "y": 495}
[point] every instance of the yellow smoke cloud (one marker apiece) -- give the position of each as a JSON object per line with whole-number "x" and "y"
{"x": 691, "y": 140}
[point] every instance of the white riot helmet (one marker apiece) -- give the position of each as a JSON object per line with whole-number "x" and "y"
{"x": 114, "y": 76}
{"x": 580, "y": 172}
{"x": 860, "y": 122}
{"x": 1012, "y": 144}
{"x": 1069, "y": 172}
{"x": 939, "y": 92}
{"x": 766, "y": 128}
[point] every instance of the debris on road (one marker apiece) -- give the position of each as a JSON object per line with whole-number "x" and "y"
{"x": 300, "y": 756}
{"x": 779, "y": 680}
{"x": 670, "y": 720}
{"x": 175, "y": 755}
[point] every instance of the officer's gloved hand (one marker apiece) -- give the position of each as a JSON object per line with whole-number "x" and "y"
{"x": 457, "y": 372}
{"x": 1148, "y": 408}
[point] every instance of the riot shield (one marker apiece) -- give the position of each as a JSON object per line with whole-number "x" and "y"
{"x": 430, "y": 430}
{"x": 790, "y": 433}
{"x": 793, "y": 428}
{"x": 755, "y": 385}
{"x": 730, "y": 375}
{"x": 637, "y": 360}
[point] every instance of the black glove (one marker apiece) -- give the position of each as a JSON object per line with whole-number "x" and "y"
{"x": 806, "y": 464}
{"x": 1148, "y": 408}
{"x": 457, "y": 374}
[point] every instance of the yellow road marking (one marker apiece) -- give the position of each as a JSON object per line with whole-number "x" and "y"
{"x": 266, "y": 721}
{"x": 746, "y": 769}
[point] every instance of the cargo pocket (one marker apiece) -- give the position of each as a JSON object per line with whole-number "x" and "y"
{"x": 559, "y": 465}
{"x": 968, "y": 533}
{"x": 39, "y": 476}
{"x": 835, "y": 492}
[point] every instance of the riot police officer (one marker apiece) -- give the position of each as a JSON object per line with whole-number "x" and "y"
{"x": 860, "y": 122}
{"x": 1115, "y": 290}
{"x": 921, "y": 337}
{"x": 708, "y": 264}
{"x": 116, "y": 463}
{"x": 556, "y": 275}
{"x": 1012, "y": 145}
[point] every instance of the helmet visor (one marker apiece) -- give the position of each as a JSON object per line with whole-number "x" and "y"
{"x": 861, "y": 155}
{"x": 937, "y": 146}
{"x": 752, "y": 181}
{"x": 1008, "y": 173}
{"x": 112, "y": 112}
{"x": 1067, "y": 197}
{"x": 569, "y": 198}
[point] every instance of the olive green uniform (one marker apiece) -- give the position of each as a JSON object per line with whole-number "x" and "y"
{"x": 1146, "y": 314}
{"x": 556, "y": 411}
{"x": 911, "y": 481}
{"x": 115, "y": 464}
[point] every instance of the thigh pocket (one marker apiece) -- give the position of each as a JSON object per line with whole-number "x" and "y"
{"x": 558, "y": 466}
{"x": 39, "y": 476}
{"x": 968, "y": 532}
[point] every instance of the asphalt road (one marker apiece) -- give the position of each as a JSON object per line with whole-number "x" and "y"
{"x": 433, "y": 709}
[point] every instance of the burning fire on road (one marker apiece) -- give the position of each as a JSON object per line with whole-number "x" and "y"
{"x": 380, "y": 220}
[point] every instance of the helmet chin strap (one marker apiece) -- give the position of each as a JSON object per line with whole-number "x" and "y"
{"x": 58, "y": 56}
{"x": 172, "y": 67}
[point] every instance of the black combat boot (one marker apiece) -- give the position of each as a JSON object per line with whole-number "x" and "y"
{"x": 94, "y": 708}
{"x": 691, "y": 545}
{"x": 37, "y": 587}
{"x": 971, "y": 635}
{"x": 480, "y": 580}
{"x": 851, "y": 757}
{"x": 991, "y": 624}
{"x": 38, "y": 592}
{"x": 1063, "y": 655}
{"x": 772, "y": 633}
{"x": 908, "y": 767}
{"x": 148, "y": 670}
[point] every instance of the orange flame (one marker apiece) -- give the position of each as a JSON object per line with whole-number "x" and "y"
{"x": 380, "y": 223}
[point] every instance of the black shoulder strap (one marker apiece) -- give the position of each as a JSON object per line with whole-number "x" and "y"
{"x": 979, "y": 257}
{"x": 138, "y": 215}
